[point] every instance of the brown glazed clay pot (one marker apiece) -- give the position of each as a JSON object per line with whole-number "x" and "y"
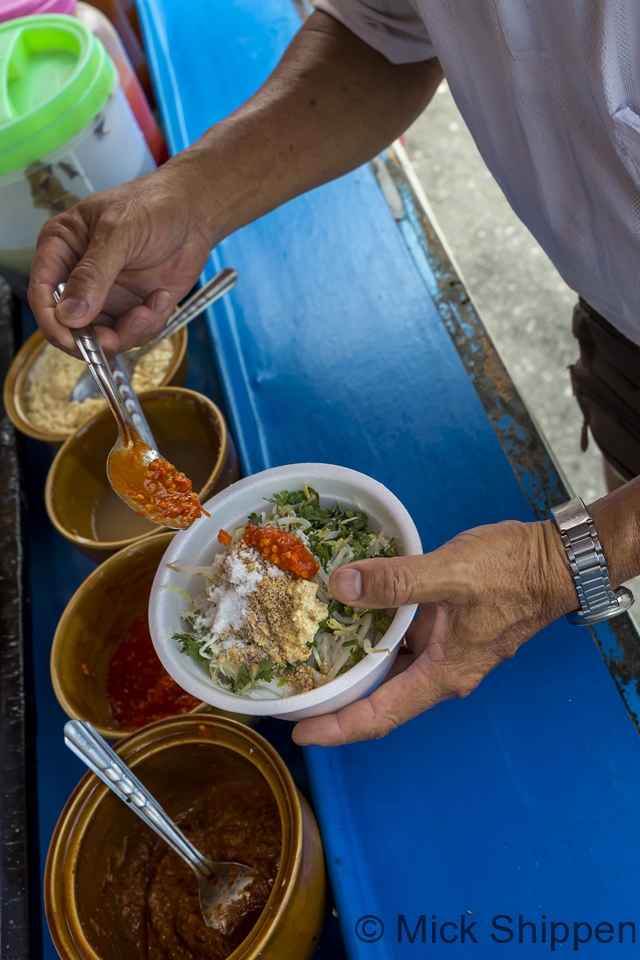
{"x": 21, "y": 370}
{"x": 178, "y": 759}
{"x": 77, "y": 477}
{"x": 101, "y": 611}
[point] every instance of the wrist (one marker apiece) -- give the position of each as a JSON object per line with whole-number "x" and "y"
{"x": 558, "y": 588}
{"x": 617, "y": 521}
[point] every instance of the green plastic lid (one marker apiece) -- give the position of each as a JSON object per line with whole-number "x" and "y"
{"x": 55, "y": 77}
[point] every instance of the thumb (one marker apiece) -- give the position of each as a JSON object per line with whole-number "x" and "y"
{"x": 89, "y": 283}
{"x": 383, "y": 583}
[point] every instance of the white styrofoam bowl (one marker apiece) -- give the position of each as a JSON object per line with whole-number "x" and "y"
{"x": 198, "y": 545}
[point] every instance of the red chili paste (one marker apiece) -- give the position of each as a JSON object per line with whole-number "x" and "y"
{"x": 139, "y": 689}
{"x": 160, "y": 491}
{"x": 284, "y": 549}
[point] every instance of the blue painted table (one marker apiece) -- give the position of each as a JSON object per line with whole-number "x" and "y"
{"x": 350, "y": 339}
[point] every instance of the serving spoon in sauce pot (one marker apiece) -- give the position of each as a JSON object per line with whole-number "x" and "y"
{"x": 224, "y": 889}
{"x": 146, "y": 482}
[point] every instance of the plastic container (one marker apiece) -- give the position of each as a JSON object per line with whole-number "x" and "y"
{"x": 124, "y": 16}
{"x": 66, "y": 129}
{"x": 102, "y": 28}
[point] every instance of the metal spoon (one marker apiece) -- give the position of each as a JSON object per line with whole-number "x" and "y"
{"x": 85, "y": 385}
{"x": 223, "y": 888}
{"x": 131, "y": 456}
{"x": 121, "y": 381}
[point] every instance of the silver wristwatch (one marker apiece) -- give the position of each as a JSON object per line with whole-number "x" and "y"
{"x": 589, "y": 568}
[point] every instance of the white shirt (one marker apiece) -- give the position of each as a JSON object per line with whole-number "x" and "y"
{"x": 550, "y": 90}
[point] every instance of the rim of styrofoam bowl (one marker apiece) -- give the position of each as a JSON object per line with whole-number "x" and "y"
{"x": 198, "y": 545}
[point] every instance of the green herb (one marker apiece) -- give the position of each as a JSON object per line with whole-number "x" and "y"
{"x": 190, "y": 646}
{"x": 248, "y": 677}
{"x": 382, "y": 620}
{"x": 242, "y": 680}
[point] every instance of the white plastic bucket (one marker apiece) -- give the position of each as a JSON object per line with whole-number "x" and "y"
{"x": 108, "y": 152}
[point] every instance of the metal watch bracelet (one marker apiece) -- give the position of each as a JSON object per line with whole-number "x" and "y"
{"x": 598, "y": 601}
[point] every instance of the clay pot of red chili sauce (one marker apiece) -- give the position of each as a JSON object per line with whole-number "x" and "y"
{"x": 113, "y": 890}
{"x": 103, "y": 665}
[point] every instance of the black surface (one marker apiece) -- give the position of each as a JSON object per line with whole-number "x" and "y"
{"x": 19, "y": 869}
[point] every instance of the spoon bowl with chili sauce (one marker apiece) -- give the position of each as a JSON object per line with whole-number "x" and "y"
{"x": 190, "y": 432}
{"x": 146, "y": 482}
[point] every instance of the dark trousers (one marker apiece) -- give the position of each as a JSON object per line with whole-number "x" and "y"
{"x": 606, "y": 383}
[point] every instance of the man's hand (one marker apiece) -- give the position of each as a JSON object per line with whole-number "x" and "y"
{"x": 482, "y": 595}
{"x": 127, "y": 255}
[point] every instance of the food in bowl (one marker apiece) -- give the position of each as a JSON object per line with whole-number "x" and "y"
{"x": 54, "y": 374}
{"x": 156, "y": 891}
{"x": 266, "y": 624}
{"x": 139, "y": 689}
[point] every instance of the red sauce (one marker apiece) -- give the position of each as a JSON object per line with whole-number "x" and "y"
{"x": 139, "y": 689}
{"x": 284, "y": 549}
{"x": 159, "y": 490}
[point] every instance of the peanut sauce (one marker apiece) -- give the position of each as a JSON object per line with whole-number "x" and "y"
{"x": 156, "y": 893}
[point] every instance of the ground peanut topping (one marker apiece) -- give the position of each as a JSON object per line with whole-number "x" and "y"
{"x": 54, "y": 376}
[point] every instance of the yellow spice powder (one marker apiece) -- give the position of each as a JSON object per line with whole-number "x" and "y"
{"x": 54, "y": 376}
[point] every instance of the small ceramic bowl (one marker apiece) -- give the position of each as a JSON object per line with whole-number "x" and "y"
{"x": 21, "y": 369}
{"x": 178, "y": 759}
{"x": 191, "y": 433}
{"x": 198, "y": 545}
{"x": 99, "y": 614}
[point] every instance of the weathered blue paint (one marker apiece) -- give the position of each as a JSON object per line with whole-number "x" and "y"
{"x": 339, "y": 343}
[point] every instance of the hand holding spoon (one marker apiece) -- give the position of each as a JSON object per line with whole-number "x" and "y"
{"x": 186, "y": 312}
{"x": 224, "y": 889}
{"x": 146, "y": 482}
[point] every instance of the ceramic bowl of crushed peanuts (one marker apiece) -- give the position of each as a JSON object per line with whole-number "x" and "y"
{"x": 37, "y": 389}
{"x": 241, "y": 612}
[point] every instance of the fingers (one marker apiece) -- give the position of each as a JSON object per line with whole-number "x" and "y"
{"x": 91, "y": 280}
{"x": 142, "y": 323}
{"x": 53, "y": 262}
{"x": 389, "y": 583}
{"x": 416, "y": 689}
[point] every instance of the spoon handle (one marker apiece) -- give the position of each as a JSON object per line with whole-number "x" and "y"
{"x": 112, "y": 379}
{"x": 191, "y": 308}
{"x": 93, "y": 355}
{"x": 129, "y": 399}
{"x": 87, "y": 744}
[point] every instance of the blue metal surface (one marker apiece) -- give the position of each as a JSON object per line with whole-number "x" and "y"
{"x": 521, "y": 799}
